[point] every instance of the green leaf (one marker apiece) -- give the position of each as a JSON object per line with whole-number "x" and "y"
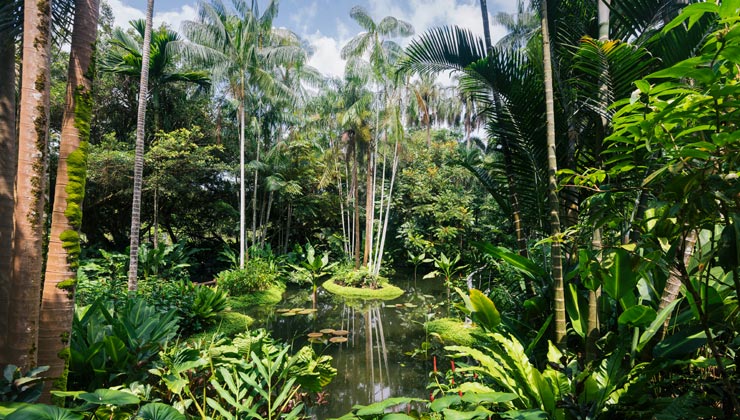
{"x": 487, "y": 397}
{"x": 522, "y": 264}
{"x": 525, "y": 415}
{"x": 621, "y": 279}
{"x": 159, "y": 411}
{"x": 444, "y": 402}
{"x": 638, "y": 316}
{"x": 478, "y": 413}
{"x": 43, "y": 412}
{"x": 680, "y": 344}
{"x": 484, "y": 310}
{"x": 397, "y": 416}
{"x": 109, "y": 396}
{"x": 656, "y": 325}
{"x": 380, "y": 407}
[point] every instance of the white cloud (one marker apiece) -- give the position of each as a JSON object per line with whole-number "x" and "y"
{"x": 303, "y": 17}
{"x": 326, "y": 55}
{"x": 173, "y": 18}
{"x": 426, "y": 14}
{"x": 123, "y": 13}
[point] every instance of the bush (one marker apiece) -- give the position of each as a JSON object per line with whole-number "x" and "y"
{"x": 350, "y": 277}
{"x": 196, "y": 306}
{"x": 257, "y": 275}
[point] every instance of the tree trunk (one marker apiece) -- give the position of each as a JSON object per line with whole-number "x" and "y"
{"x": 254, "y": 192}
{"x": 369, "y": 205}
{"x": 673, "y": 283}
{"x": 267, "y": 219}
{"x": 552, "y": 163}
{"x": 57, "y": 303}
{"x": 30, "y": 187}
{"x": 486, "y": 29}
{"x": 139, "y": 157}
{"x": 394, "y": 169}
{"x": 356, "y": 203}
{"x": 242, "y": 191}
{"x": 592, "y": 330}
{"x": 8, "y": 163}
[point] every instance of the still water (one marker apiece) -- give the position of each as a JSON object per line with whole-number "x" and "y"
{"x": 374, "y": 363}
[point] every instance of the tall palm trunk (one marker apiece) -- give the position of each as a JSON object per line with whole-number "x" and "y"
{"x": 8, "y": 161}
{"x": 57, "y": 303}
{"x": 139, "y": 156}
{"x": 30, "y": 187}
{"x": 355, "y": 203}
{"x": 369, "y": 205}
{"x": 552, "y": 164}
{"x": 254, "y": 192}
{"x": 486, "y": 29}
{"x": 242, "y": 192}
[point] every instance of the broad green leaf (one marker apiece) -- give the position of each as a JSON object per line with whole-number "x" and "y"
{"x": 638, "y": 316}
{"x": 621, "y": 279}
{"x": 397, "y": 416}
{"x": 109, "y": 396}
{"x": 524, "y": 265}
{"x": 484, "y": 310}
{"x": 575, "y": 310}
{"x": 486, "y": 397}
{"x": 159, "y": 411}
{"x": 478, "y": 413}
{"x": 656, "y": 325}
{"x": 525, "y": 415}
{"x": 444, "y": 402}
{"x": 680, "y": 344}
{"x": 380, "y": 407}
{"x": 43, "y": 412}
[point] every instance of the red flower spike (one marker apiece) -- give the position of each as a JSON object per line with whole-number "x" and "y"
{"x": 452, "y": 362}
{"x": 434, "y": 361}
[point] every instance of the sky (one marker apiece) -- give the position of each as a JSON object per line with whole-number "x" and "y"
{"x": 326, "y": 24}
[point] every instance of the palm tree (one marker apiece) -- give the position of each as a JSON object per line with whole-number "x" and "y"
{"x": 139, "y": 154}
{"x": 57, "y": 303}
{"x": 125, "y": 57}
{"x": 382, "y": 54}
{"x": 241, "y": 48}
{"x": 520, "y": 26}
{"x": 33, "y": 131}
{"x": 552, "y": 164}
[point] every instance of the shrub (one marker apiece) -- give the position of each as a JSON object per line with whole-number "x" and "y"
{"x": 196, "y": 306}
{"x": 361, "y": 277}
{"x": 257, "y": 275}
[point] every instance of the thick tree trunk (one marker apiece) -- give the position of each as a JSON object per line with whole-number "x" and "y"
{"x": 552, "y": 163}
{"x": 673, "y": 283}
{"x": 8, "y": 164}
{"x": 30, "y": 187}
{"x": 57, "y": 303}
{"x": 139, "y": 157}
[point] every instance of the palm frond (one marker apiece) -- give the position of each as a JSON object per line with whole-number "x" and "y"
{"x": 362, "y": 17}
{"x": 441, "y": 49}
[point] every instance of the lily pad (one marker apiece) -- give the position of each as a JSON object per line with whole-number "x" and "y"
{"x": 288, "y": 314}
{"x": 315, "y": 335}
{"x": 340, "y": 332}
{"x": 306, "y": 311}
{"x": 338, "y": 339}
{"x": 282, "y": 310}
{"x": 327, "y": 331}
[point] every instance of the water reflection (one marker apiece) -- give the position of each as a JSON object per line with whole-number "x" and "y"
{"x": 373, "y": 364}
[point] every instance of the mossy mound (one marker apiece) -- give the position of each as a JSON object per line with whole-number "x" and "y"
{"x": 386, "y": 291}
{"x": 453, "y": 331}
{"x": 268, "y": 297}
{"x": 229, "y": 324}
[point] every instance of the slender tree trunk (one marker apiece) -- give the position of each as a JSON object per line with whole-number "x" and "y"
{"x": 254, "y": 192}
{"x": 593, "y": 333}
{"x": 486, "y": 29}
{"x": 394, "y": 169}
{"x": 139, "y": 157}
{"x": 355, "y": 203}
{"x": 604, "y": 19}
{"x": 30, "y": 187}
{"x": 8, "y": 164}
{"x": 57, "y": 303}
{"x": 376, "y": 256}
{"x": 369, "y": 204}
{"x": 287, "y": 227}
{"x": 267, "y": 218}
{"x": 242, "y": 196}
{"x": 552, "y": 163}
{"x": 155, "y": 243}
{"x": 673, "y": 283}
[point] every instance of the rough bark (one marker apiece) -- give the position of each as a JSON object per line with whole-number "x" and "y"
{"x": 31, "y": 186}
{"x": 139, "y": 157}
{"x": 57, "y": 303}
{"x": 8, "y": 163}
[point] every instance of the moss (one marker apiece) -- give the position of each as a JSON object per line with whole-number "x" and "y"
{"x": 385, "y": 292}
{"x": 76, "y": 177}
{"x": 229, "y": 324}
{"x": 38, "y": 186}
{"x": 453, "y": 331}
{"x": 268, "y": 297}
{"x": 60, "y": 383}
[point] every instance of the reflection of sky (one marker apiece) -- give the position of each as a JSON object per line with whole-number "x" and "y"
{"x": 358, "y": 379}
{"x": 326, "y": 25}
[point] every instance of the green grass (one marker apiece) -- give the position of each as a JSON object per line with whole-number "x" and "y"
{"x": 270, "y": 296}
{"x": 385, "y": 292}
{"x": 453, "y": 331}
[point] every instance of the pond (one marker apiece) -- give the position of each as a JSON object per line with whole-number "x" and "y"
{"x": 375, "y": 362}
